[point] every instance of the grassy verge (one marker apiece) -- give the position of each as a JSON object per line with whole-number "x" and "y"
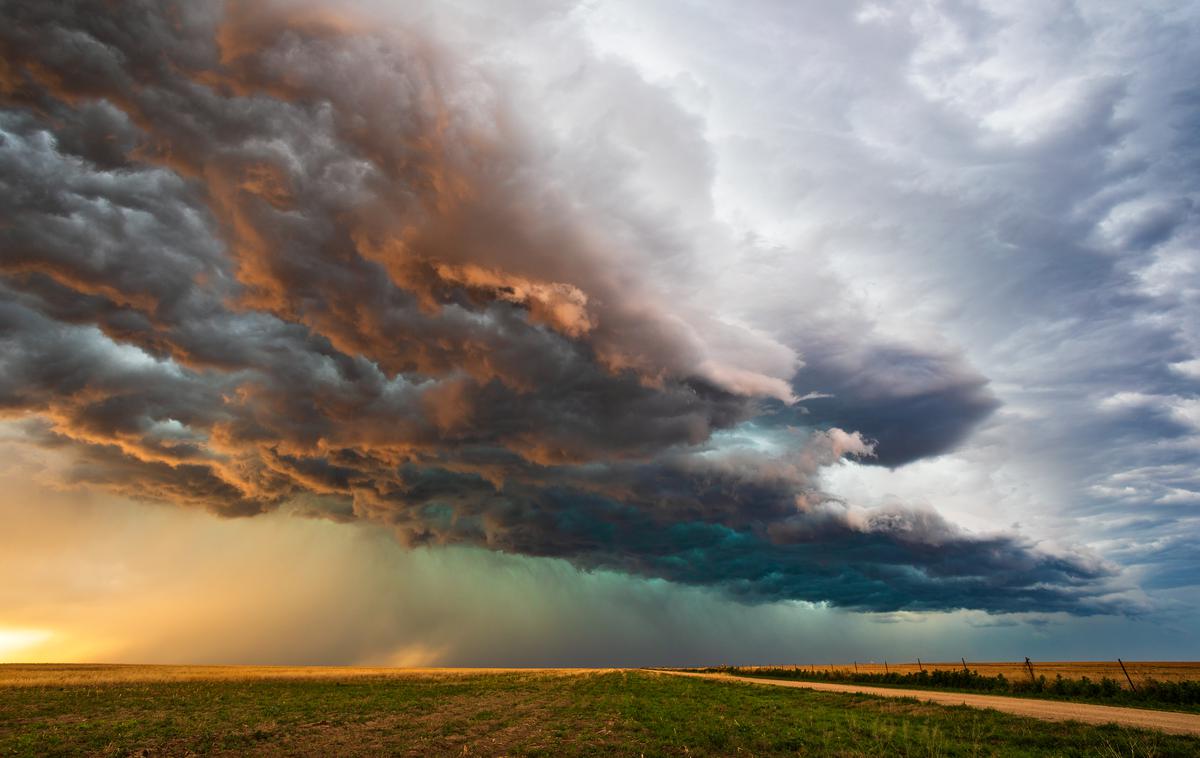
{"x": 1171, "y": 696}
{"x": 545, "y": 714}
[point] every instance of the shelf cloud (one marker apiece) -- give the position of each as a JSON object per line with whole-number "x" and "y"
{"x": 355, "y": 261}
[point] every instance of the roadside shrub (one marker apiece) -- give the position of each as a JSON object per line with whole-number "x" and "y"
{"x": 1107, "y": 689}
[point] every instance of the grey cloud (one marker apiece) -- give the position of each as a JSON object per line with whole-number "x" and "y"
{"x": 911, "y": 404}
{"x": 1017, "y": 180}
{"x": 259, "y": 254}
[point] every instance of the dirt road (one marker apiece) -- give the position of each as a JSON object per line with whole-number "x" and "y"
{"x": 1051, "y": 710}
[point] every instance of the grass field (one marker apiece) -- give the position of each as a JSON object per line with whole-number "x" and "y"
{"x": 151, "y": 711}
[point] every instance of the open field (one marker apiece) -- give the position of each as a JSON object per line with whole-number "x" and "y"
{"x": 56, "y": 674}
{"x": 158, "y": 711}
{"x": 1165, "y": 671}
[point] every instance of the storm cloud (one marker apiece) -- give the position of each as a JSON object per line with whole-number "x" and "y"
{"x": 258, "y": 254}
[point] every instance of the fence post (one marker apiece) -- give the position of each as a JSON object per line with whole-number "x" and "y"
{"x": 1127, "y": 677}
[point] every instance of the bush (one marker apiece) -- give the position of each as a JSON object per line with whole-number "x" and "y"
{"x": 1107, "y": 689}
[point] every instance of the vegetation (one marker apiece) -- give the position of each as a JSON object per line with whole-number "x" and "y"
{"x": 1150, "y": 693}
{"x": 515, "y": 713}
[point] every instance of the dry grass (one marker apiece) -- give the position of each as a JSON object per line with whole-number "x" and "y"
{"x": 64, "y": 674}
{"x": 1163, "y": 671}
{"x": 43, "y": 674}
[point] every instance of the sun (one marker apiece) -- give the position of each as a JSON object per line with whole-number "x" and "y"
{"x": 13, "y": 641}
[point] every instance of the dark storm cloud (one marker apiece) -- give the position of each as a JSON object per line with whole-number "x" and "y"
{"x": 259, "y": 252}
{"x": 911, "y": 404}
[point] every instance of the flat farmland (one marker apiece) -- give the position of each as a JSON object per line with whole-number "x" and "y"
{"x": 177, "y": 711}
{"x": 1163, "y": 671}
{"x": 105, "y": 674}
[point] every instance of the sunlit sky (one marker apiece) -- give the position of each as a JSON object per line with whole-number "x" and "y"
{"x": 599, "y": 333}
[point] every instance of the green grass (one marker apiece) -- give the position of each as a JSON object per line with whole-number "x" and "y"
{"x": 1160, "y": 695}
{"x": 546, "y": 714}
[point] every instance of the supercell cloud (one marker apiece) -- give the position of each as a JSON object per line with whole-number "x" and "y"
{"x": 376, "y": 266}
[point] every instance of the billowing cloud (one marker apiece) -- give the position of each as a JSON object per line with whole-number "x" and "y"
{"x": 269, "y": 253}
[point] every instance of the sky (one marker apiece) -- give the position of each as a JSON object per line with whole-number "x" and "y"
{"x": 595, "y": 333}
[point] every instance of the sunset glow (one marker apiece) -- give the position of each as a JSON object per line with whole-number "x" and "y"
{"x": 20, "y": 645}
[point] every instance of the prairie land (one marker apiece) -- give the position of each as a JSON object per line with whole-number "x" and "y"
{"x": 169, "y": 711}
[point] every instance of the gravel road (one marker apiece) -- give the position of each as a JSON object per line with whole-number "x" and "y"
{"x": 1052, "y": 710}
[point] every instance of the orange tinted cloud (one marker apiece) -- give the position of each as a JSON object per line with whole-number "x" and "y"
{"x": 268, "y": 255}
